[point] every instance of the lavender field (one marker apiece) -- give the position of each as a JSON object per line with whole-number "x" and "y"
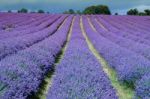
{"x": 62, "y": 56}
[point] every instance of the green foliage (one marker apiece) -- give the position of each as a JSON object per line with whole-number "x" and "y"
{"x": 40, "y": 11}
{"x": 90, "y": 10}
{"x": 133, "y": 12}
{"x": 70, "y": 11}
{"x": 141, "y": 14}
{"x": 147, "y": 11}
{"x": 23, "y": 10}
{"x": 65, "y": 12}
{"x": 78, "y": 12}
{"x": 136, "y": 12}
{"x": 99, "y": 9}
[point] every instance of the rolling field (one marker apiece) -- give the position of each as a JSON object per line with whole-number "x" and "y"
{"x": 58, "y": 56}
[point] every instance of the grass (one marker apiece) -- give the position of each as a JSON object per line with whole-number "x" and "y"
{"x": 123, "y": 91}
{"x": 3, "y": 87}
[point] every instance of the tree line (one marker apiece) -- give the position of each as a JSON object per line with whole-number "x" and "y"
{"x": 95, "y": 9}
{"x": 98, "y": 9}
{"x": 24, "y": 10}
{"x": 136, "y": 12}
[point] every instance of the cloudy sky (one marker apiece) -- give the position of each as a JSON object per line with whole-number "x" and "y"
{"x": 57, "y": 6}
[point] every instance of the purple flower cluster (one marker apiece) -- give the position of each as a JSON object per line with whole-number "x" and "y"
{"x": 143, "y": 87}
{"x": 128, "y": 65}
{"x": 131, "y": 45}
{"x": 79, "y": 75}
{"x": 122, "y": 33}
{"x": 18, "y": 21}
{"x": 13, "y": 45}
{"x": 22, "y": 73}
{"x": 30, "y": 43}
{"x": 25, "y": 23}
{"x": 133, "y": 28}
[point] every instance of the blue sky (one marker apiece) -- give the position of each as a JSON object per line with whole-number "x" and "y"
{"x": 58, "y": 6}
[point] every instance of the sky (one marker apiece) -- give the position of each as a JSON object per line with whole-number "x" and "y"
{"x": 58, "y": 6}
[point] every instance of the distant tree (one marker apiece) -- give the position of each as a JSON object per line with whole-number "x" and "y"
{"x": 99, "y": 9}
{"x": 103, "y": 9}
{"x": 23, "y": 10}
{"x": 116, "y": 13}
{"x": 71, "y": 11}
{"x": 78, "y": 12}
{"x": 133, "y": 12}
{"x": 40, "y": 11}
{"x": 65, "y": 12}
{"x": 90, "y": 10}
{"x": 141, "y": 14}
{"x": 9, "y": 11}
{"x": 147, "y": 11}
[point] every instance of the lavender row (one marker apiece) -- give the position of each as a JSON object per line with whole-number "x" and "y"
{"x": 145, "y": 21}
{"x": 124, "y": 26}
{"x": 16, "y": 19}
{"x": 35, "y": 22}
{"x": 136, "y": 47}
{"x": 143, "y": 85}
{"x": 6, "y": 18}
{"x": 126, "y": 35}
{"x": 29, "y": 30}
{"x": 10, "y": 29}
{"x": 128, "y": 65}
{"x": 22, "y": 73}
{"x": 10, "y": 26}
{"x": 13, "y": 45}
{"x": 142, "y": 90}
{"x": 15, "y": 29}
{"x": 29, "y": 22}
{"x": 138, "y": 22}
{"x": 127, "y": 23}
{"x": 79, "y": 75}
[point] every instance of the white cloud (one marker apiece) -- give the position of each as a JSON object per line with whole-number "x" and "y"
{"x": 142, "y": 7}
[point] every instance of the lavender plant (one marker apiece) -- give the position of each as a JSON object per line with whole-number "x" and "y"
{"x": 128, "y": 65}
{"x": 22, "y": 73}
{"x": 79, "y": 75}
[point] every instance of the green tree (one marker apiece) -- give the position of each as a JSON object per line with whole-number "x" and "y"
{"x": 99, "y": 9}
{"x": 90, "y": 10}
{"x": 40, "y": 11}
{"x": 147, "y": 11}
{"x": 23, "y": 10}
{"x": 141, "y": 13}
{"x": 65, "y": 12}
{"x": 133, "y": 12}
{"x": 71, "y": 11}
{"x": 78, "y": 12}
